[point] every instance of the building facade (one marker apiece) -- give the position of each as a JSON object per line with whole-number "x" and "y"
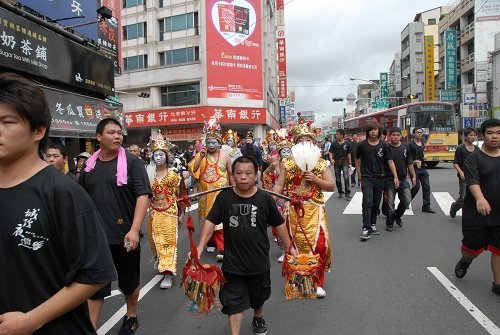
{"x": 185, "y": 61}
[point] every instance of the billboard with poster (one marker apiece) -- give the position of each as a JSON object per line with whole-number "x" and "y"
{"x": 234, "y": 49}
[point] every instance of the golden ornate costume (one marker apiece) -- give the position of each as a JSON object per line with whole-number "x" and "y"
{"x": 163, "y": 223}
{"x": 314, "y": 223}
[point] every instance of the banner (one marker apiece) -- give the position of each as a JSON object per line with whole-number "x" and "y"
{"x": 32, "y": 49}
{"x": 450, "y": 59}
{"x": 430, "y": 87}
{"x": 192, "y": 115}
{"x": 109, "y": 35}
{"x": 397, "y": 72}
{"x": 234, "y": 49}
{"x": 182, "y": 134}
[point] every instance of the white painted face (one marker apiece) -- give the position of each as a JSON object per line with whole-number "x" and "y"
{"x": 159, "y": 157}
{"x": 285, "y": 152}
{"x": 212, "y": 145}
{"x": 230, "y": 142}
{"x": 272, "y": 146}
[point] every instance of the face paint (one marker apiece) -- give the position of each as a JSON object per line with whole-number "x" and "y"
{"x": 272, "y": 146}
{"x": 285, "y": 152}
{"x": 230, "y": 142}
{"x": 159, "y": 157}
{"x": 212, "y": 145}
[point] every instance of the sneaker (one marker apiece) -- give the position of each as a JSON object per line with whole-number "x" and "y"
{"x": 166, "y": 282}
{"x": 374, "y": 230}
{"x": 453, "y": 212}
{"x": 320, "y": 293}
{"x": 210, "y": 249}
{"x": 461, "y": 268}
{"x": 259, "y": 326}
{"x": 220, "y": 256}
{"x": 365, "y": 235}
{"x": 341, "y": 196}
{"x": 281, "y": 258}
{"x": 389, "y": 227}
{"x": 129, "y": 325}
{"x": 399, "y": 222}
{"x": 348, "y": 196}
{"x": 495, "y": 288}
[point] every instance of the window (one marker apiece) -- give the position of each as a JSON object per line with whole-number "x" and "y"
{"x": 135, "y": 62}
{"x": 134, "y": 31}
{"x": 180, "y": 56}
{"x": 180, "y": 95}
{"x": 418, "y": 38}
{"x": 431, "y": 21}
{"x": 133, "y": 3}
{"x": 179, "y": 22}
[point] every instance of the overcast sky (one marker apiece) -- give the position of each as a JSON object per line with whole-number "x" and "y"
{"x": 329, "y": 41}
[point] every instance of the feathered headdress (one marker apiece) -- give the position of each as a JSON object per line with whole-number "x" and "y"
{"x": 212, "y": 129}
{"x": 231, "y": 134}
{"x": 303, "y": 128}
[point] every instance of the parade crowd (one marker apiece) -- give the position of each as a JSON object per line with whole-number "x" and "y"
{"x": 67, "y": 235}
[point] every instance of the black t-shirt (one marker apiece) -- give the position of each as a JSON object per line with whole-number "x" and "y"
{"x": 354, "y": 148}
{"x": 417, "y": 153}
{"x": 340, "y": 152}
{"x": 402, "y": 159}
{"x": 373, "y": 158}
{"x": 188, "y": 156}
{"x": 116, "y": 204}
{"x": 245, "y": 221}
{"x": 461, "y": 155}
{"x": 483, "y": 170}
{"x": 51, "y": 236}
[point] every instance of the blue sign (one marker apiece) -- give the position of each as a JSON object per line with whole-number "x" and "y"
{"x": 282, "y": 114}
{"x": 448, "y": 95}
{"x": 468, "y": 122}
{"x": 63, "y": 9}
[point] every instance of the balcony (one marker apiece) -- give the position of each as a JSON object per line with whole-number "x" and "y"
{"x": 467, "y": 34}
{"x": 467, "y": 63}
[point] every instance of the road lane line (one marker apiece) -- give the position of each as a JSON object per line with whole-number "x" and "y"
{"x": 118, "y": 316}
{"x": 355, "y": 206}
{"x": 113, "y": 293}
{"x": 483, "y": 320}
{"x": 444, "y": 200}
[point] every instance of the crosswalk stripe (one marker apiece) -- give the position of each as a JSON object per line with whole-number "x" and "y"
{"x": 355, "y": 205}
{"x": 444, "y": 200}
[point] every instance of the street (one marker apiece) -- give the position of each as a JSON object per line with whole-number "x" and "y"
{"x": 399, "y": 282}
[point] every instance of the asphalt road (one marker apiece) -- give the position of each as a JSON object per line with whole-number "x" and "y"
{"x": 398, "y": 282}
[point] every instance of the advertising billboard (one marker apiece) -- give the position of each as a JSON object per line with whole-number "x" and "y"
{"x": 430, "y": 90}
{"x": 192, "y": 115}
{"x": 234, "y": 49}
{"x": 450, "y": 59}
{"x": 30, "y": 48}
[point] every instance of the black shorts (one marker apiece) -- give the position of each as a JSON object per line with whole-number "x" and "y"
{"x": 240, "y": 293}
{"x": 128, "y": 268}
{"x": 480, "y": 238}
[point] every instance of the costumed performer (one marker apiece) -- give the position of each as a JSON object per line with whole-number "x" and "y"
{"x": 306, "y": 183}
{"x": 230, "y": 145}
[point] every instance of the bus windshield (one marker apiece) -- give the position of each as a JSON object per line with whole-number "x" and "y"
{"x": 435, "y": 120}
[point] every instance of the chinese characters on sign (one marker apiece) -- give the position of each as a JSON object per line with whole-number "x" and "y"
{"x": 193, "y": 115}
{"x": 450, "y": 59}
{"x": 430, "y": 94}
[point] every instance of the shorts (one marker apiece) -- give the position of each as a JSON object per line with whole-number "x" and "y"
{"x": 240, "y": 293}
{"x": 476, "y": 240}
{"x": 128, "y": 268}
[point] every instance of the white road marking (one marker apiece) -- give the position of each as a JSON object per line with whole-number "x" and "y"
{"x": 118, "y": 316}
{"x": 444, "y": 200}
{"x": 355, "y": 205}
{"x": 113, "y": 293}
{"x": 327, "y": 195}
{"x": 483, "y": 320}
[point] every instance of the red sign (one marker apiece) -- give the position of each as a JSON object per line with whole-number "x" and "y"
{"x": 280, "y": 4}
{"x": 193, "y": 115}
{"x": 234, "y": 49}
{"x": 281, "y": 57}
{"x": 182, "y": 134}
{"x": 282, "y": 88}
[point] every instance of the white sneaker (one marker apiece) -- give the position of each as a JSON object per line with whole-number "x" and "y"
{"x": 320, "y": 293}
{"x": 219, "y": 257}
{"x": 210, "y": 249}
{"x": 281, "y": 258}
{"x": 166, "y": 282}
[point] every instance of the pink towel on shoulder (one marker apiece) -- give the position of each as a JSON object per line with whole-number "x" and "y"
{"x": 121, "y": 166}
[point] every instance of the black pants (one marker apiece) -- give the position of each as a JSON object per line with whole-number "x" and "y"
{"x": 422, "y": 178}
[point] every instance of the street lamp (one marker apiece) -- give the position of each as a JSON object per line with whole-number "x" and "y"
{"x": 368, "y": 81}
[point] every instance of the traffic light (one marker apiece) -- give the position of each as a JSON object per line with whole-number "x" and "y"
{"x": 337, "y": 99}
{"x": 143, "y": 95}
{"x": 412, "y": 96}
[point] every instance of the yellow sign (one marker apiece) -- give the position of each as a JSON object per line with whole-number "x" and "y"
{"x": 430, "y": 88}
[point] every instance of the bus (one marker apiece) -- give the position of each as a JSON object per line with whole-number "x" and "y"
{"x": 437, "y": 119}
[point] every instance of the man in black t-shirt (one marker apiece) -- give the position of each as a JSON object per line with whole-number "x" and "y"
{"x": 481, "y": 210}
{"x": 417, "y": 149}
{"x": 371, "y": 156}
{"x": 246, "y": 212}
{"x": 403, "y": 163}
{"x": 463, "y": 151}
{"x": 118, "y": 183}
{"x": 340, "y": 157}
{"x": 53, "y": 251}
{"x": 354, "y": 147}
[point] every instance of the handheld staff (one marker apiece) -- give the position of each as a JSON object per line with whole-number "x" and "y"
{"x": 184, "y": 202}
